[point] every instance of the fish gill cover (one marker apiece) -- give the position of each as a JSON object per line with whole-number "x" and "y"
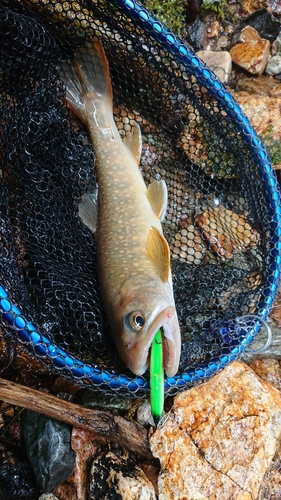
{"x": 223, "y": 217}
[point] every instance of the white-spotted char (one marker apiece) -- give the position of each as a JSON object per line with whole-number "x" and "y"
{"x": 132, "y": 254}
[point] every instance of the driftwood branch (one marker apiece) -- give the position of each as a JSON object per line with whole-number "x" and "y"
{"x": 128, "y": 434}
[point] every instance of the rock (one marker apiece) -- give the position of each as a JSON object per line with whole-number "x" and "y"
{"x": 274, "y": 65}
{"x": 257, "y": 85}
{"x": 219, "y": 62}
{"x": 276, "y": 91}
{"x": 197, "y": 35}
{"x": 97, "y": 399}
{"x": 250, "y": 6}
{"x": 47, "y": 444}
{"x": 269, "y": 370}
{"x": 17, "y": 480}
{"x": 144, "y": 416}
{"x": 117, "y": 477}
{"x": 248, "y": 34}
{"x": 223, "y": 42}
{"x": 271, "y": 487}
{"x": 264, "y": 114}
{"x": 274, "y": 6}
{"x": 265, "y": 23}
{"x": 86, "y": 447}
{"x": 276, "y": 46}
{"x": 48, "y": 496}
{"x": 214, "y": 30}
{"x": 219, "y": 438}
{"x": 252, "y": 56}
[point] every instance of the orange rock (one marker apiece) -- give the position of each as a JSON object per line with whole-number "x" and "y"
{"x": 250, "y": 6}
{"x": 248, "y": 34}
{"x": 219, "y": 438}
{"x": 263, "y": 112}
{"x": 252, "y": 56}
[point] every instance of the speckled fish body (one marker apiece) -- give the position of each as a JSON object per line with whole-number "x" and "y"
{"x": 132, "y": 253}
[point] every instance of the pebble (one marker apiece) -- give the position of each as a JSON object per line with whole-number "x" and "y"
{"x": 227, "y": 432}
{"x": 276, "y": 46}
{"x": 48, "y": 496}
{"x": 264, "y": 113}
{"x": 197, "y": 35}
{"x": 223, "y": 42}
{"x": 248, "y": 34}
{"x": 262, "y": 85}
{"x": 276, "y": 91}
{"x": 252, "y": 56}
{"x": 274, "y": 65}
{"x": 144, "y": 416}
{"x": 250, "y": 6}
{"x": 265, "y": 23}
{"x": 97, "y": 399}
{"x": 219, "y": 62}
{"x": 269, "y": 370}
{"x": 48, "y": 448}
{"x": 113, "y": 476}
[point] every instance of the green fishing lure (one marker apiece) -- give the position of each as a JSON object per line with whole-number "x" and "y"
{"x": 157, "y": 377}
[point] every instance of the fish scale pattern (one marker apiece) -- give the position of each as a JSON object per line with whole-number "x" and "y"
{"x": 223, "y": 216}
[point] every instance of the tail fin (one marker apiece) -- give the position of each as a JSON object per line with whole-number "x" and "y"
{"x": 87, "y": 74}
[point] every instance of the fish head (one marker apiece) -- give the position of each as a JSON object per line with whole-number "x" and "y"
{"x": 143, "y": 305}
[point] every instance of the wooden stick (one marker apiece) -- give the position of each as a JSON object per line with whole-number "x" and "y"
{"x": 128, "y": 434}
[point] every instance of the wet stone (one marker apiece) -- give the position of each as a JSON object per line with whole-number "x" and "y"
{"x": 219, "y": 62}
{"x": 48, "y": 496}
{"x": 265, "y": 23}
{"x": 197, "y": 35}
{"x": 252, "y": 56}
{"x": 117, "y": 478}
{"x": 96, "y": 399}
{"x": 226, "y": 432}
{"x": 48, "y": 447}
{"x": 264, "y": 114}
{"x": 250, "y": 6}
{"x": 248, "y": 34}
{"x": 17, "y": 480}
{"x": 261, "y": 85}
{"x": 273, "y": 67}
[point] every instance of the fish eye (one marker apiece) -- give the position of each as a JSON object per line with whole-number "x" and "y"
{"x": 134, "y": 321}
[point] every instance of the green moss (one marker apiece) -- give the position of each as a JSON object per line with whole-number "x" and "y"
{"x": 170, "y": 12}
{"x": 275, "y": 153}
{"x": 273, "y": 146}
{"x": 217, "y": 6}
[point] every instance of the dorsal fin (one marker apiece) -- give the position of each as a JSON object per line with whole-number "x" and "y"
{"x": 133, "y": 141}
{"x": 157, "y": 195}
{"x": 158, "y": 251}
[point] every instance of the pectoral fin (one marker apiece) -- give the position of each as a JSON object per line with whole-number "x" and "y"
{"x": 158, "y": 251}
{"x": 157, "y": 195}
{"x": 133, "y": 141}
{"x": 88, "y": 210}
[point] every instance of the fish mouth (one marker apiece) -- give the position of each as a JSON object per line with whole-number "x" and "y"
{"x": 167, "y": 321}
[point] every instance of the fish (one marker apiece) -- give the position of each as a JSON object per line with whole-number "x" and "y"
{"x": 125, "y": 216}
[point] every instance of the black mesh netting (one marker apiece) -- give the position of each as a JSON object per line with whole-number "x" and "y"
{"x": 222, "y": 222}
